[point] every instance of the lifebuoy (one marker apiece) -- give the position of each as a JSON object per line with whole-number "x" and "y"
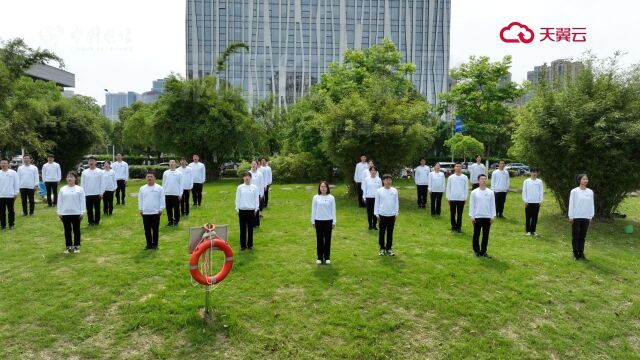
{"x": 218, "y": 244}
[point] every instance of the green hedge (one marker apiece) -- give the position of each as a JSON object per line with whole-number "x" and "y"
{"x": 140, "y": 171}
{"x": 134, "y": 159}
{"x": 302, "y": 167}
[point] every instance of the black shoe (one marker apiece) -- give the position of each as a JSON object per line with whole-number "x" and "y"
{"x": 243, "y": 248}
{"x": 250, "y": 247}
{"x": 486, "y": 256}
{"x": 148, "y": 248}
{"x": 375, "y": 228}
{"x": 23, "y": 215}
{"x": 459, "y": 230}
{"x": 370, "y": 227}
{"x": 11, "y": 227}
{"x": 170, "y": 224}
{"x": 477, "y": 254}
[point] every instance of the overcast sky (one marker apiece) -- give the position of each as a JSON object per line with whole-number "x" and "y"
{"x": 123, "y": 45}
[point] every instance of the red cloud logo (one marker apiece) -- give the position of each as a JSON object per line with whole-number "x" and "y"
{"x": 516, "y": 33}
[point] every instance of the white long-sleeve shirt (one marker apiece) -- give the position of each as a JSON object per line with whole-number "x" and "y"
{"x": 581, "y": 204}
{"x": 247, "y": 197}
{"x": 9, "y": 184}
{"x": 323, "y": 207}
{"x": 187, "y": 177}
{"x": 121, "y": 169}
{"x": 500, "y": 181}
{"x": 51, "y": 172}
{"x": 360, "y": 168}
{"x": 532, "y": 191}
{"x": 172, "y": 183}
{"x": 71, "y": 200}
{"x": 457, "y": 187}
{"x": 28, "y": 176}
{"x": 268, "y": 175}
{"x": 370, "y": 186}
{"x": 482, "y": 204}
{"x": 91, "y": 181}
{"x": 436, "y": 182}
{"x": 198, "y": 173}
{"x": 475, "y": 170}
{"x": 258, "y": 181}
{"x": 421, "y": 175}
{"x": 109, "y": 182}
{"x": 386, "y": 203}
{"x": 151, "y": 199}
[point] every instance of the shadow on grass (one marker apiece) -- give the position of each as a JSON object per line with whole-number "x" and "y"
{"x": 327, "y": 273}
{"x": 494, "y": 264}
{"x": 597, "y": 265}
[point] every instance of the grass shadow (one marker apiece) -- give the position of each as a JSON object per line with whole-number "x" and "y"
{"x": 494, "y": 264}
{"x": 327, "y": 273}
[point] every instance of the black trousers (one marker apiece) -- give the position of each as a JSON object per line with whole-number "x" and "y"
{"x": 7, "y": 208}
{"x": 387, "y": 224}
{"x": 197, "y": 194}
{"x": 121, "y": 191}
{"x": 246, "y": 217}
{"x": 93, "y": 209}
{"x": 52, "y": 188}
{"x": 456, "y": 208}
{"x": 108, "y": 202}
{"x": 266, "y": 196}
{"x": 436, "y": 203}
{"x": 475, "y": 186}
{"x": 172, "y": 203}
{"x": 423, "y": 190}
{"x": 323, "y": 239}
{"x": 256, "y": 217}
{"x": 501, "y": 198}
{"x": 27, "y": 195}
{"x": 184, "y": 202}
{"x": 484, "y": 225}
{"x": 578, "y": 236}
{"x": 71, "y": 223}
{"x": 373, "y": 221}
{"x": 361, "y": 202}
{"x": 151, "y": 228}
{"x": 531, "y": 217}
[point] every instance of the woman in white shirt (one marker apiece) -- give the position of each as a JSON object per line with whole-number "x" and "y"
{"x": 581, "y": 211}
{"x": 110, "y": 185}
{"x": 436, "y": 188}
{"x": 247, "y": 206}
{"x": 323, "y": 219}
{"x": 482, "y": 210}
{"x": 70, "y": 208}
{"x": 370, "y": 185}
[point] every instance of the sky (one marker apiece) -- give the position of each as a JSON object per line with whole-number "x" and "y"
{"x": 123, "y": 45}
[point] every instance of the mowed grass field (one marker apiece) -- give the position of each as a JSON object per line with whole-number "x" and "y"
{"x": 434, "y": 300}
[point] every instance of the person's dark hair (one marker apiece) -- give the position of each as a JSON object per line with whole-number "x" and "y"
{"x": 386, "y": 176}
{"x": 422, "y": 159}
{"x": 373, "y": 168}
{"x": 118, "y": 154}
{"x": 151, "y": 172}
{"x": 481, "y": 175}
{"x": 579, "y": 178}
{"x": 499, "y": 161}
{"x": 265, "y": 158}
{"x": 477, "y": 156}
{"x": 4, "y": 159}
{"x": 533, "y": 169}
{"x": 328, "y": 188}
{"x": 457, "y": 163}
{"x": 437, "y": 163}
{"x": 182, "y": 158}
{"x": 107, "y": 162}
{"x": 26, "y": 155}
{"x": 50, "y": 156}
{"x": 246, "y": 173}
{"x": 92, "y": 158}
{"x": 74, "y": 174}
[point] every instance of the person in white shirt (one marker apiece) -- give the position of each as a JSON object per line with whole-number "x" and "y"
{"x": 532, "y": 195}
{"x": 500, "y": 185}
{"x": 9, "y": 189}
{"x": 51, "y": 175}
{"x": 475, "y": 170}
{"x": 365, "y": 172}
{"x": 421, "y": 178}
{"x": 581, "y": 211}
{"x": 121, "y": 168}
{"x": 110, "y": 185}
{"x": 70, "y": 208}
{"x": 386, "y": 211}
{"x": 150, "y": 204}
{"x": 359, "y": 175}
{"x": 268, "y": 179}
{"x": 172, "y": 186}
{"x": 436, "y": 186}
{"x": 92, "y": 184}
{"x": 199, "y": 175}
{"x": 323, "y": 219}
{"x": 457, "y": 190}
{"x": 247, "y": 205}
{"x": 187, "y": 185}
{"x": 29, "y": 179}
{"x": 258, "y": 180}
{"x": 482, "y": 210}
{"x": 370, "y": 185}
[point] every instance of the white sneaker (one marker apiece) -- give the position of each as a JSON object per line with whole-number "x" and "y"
{"x": 66, "y": 250}
{"x": 318, "y": 262}
{"x": 534, "y": 234}
{"x": 327, "y": 262}
{"x": 76, "y": 249}
{"x": 391, "y": 253}
{"x": 381, "y": 252}
{"x": 528, "y": 234}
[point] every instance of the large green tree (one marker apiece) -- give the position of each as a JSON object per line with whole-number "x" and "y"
{"x": 464, "y": 145}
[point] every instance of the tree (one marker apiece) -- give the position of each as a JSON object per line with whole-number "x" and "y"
{"x": 464, "y": 145}
{"x": 138, "y": 127}
{"x": 272, "y": 118}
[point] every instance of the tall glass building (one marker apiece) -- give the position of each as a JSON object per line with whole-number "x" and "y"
{"x": 292, "y": 42}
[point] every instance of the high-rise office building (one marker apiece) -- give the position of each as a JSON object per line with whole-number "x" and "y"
{"x": 115, "y": 101}
{"x": 557, "y": 73}
{"x": 292, "y": 42}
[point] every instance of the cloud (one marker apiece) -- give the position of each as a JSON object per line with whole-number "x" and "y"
{"x": 516, "y": 33}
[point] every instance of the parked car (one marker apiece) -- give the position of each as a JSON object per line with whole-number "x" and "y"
{"x": 84, "y": 164}
{"x": 15, "y": 162}
{"x": 447, "y": 167}
{"x": 519, "y": 168}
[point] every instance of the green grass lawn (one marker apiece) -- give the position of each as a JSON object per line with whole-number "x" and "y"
{"x": 434, "y": 300}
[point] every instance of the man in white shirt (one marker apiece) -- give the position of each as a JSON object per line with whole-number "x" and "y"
{"x": 199, "y": 175}
{"x": 121, "y": 168}
{"x": 172, "y": 186}
{"x": 532, "y": 195}
{"x": 358, "y": 176}
{"x": 475, "y": 170}
{"x": 9, "y": 189}
{"x": 482, "y": 210}
{"x": 500, "y": 185}
{"x": 258, "y": 180}
{"x": 91, "y": 181}
{"x": 150, "y": 204}
{"x": 29, "y": 179}
{"x": 457, "y": 190}
{"x": 247, "y": 206}
{"x": 51, "y": 175}
{"x": 370, "y": 185}
{"x": 436, "y": 186}
{"x": 581, "y": 210}
{"x": 187, "y": 185}
{"x": 421, "y": 178}
{"x": 268, "y": 179}
{"x": 386, "y": 211}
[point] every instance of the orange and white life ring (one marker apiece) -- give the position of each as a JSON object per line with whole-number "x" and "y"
{"x": 218, "y": 244}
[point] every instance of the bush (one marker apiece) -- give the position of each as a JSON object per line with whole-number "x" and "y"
{"x": 134, "y": 159}
{"x": 230, "y": 173}
{"x": 301, "y": 167}
{"x": 243, "y": 167}
{"x": 140, "y": 171}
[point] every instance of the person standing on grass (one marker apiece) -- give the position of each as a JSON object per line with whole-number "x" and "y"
{"x": 436, "y": 186}
{"x": 187, "y": 185}
{"x": 258, "y": 180}
{"x": 482, "y": 210}
{"x": 51, "y": 175}
{"x": 457, "y": 190}
{"x": 421, "y": 178}
{"x": 199, "y": 175}
{"x": 370, "y": 185}
{"x": 475, "y": 170}
{"x": 268, "y": 179}
{"x": 581, "y": 211}
{"x": 151, "y": 202}
{"x": 532, "y": 195}
{"x": 323, "y": 219}
{"x": 386, "y": 211}
{"x": 247, "y": 206}
{"x": 9, "y": 189}
{"x": 92, "y": 184}
{"x": 358, "y": 177}
{"x": 365, "y": 172}
{"x": 110, "y": 185}
{"x": 121, "y": 169}
{"x": 500, "y": 185}
{"x": 29, "y": 179}
{"x": 172, "y": 186}
{"x": 71, "y": 207}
